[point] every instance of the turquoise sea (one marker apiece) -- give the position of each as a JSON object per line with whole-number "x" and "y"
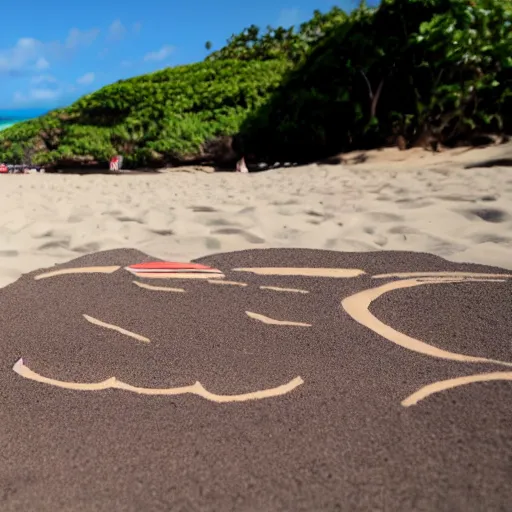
{"x": 10, "y": 117}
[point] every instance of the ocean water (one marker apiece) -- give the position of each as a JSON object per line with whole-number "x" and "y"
{"x": 5, "y": 124}
{"x": 10, "y": 117}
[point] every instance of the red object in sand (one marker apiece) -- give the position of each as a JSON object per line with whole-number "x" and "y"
{"x": 114, "y": 164}
{"x": 171, "y": 266}
{"x": 3, "y": 168}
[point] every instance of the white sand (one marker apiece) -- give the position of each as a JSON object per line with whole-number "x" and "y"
{"x": 413, "y": 201}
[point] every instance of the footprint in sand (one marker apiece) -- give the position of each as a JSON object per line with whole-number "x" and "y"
{"x": 493, "y": 215}
{"x": 249, "y": 237}
{"x": 203, "y": 209}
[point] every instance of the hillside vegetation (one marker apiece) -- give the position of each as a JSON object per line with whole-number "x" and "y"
{"x": 412, "y": 72}
{"x": 416, "y": 72}
{"x": 165, "y": 117}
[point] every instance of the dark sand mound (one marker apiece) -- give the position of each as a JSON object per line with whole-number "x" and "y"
{"x": 322, "y": 415}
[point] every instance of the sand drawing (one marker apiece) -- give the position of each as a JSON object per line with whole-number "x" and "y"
{"x": 195, "y": 389}
{"x": 279, "y": 289}
{"x": 303, "y": 272}
{"x": 78, "y": 270}
{"x": 443, "y": 385}
{"x": 440, "y": 274}
{"x": 273, "y": 321}
{"x": 158, "y": 288}
{"x": 116, "y": 328}
{"x": 229, "y": 283}
{"x": 157, "y": 275}
{"x": 356, "y": 306}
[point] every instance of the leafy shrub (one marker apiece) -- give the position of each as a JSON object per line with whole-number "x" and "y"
{"x": 288, "y": 43}
{"x": 169, "y": 113}
{"x": 421, "y": 69}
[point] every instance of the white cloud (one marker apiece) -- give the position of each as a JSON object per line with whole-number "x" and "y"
{"x": 77, "y": 38}
{"x": 40, "y": 79}
{"x": 46, "y": 90}
{"x": 288, "y": 17}
{"x": 23, "y": 54}
{"x": 116, "y": 31}
{"x": 44, "y": 94}
{"x": 159, "y": 55}
{"x": 37, "y": 94}
{"x": 42, "y": 64}
{"x": 86, "y": 79}
{"x": 29, "y": 54}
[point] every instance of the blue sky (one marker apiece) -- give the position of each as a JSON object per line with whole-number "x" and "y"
{"x": 55, "y": 51}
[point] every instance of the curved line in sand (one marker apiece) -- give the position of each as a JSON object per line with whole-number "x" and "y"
{"x": 357, "y": 306}
{"x": 78, "y": 270}
{"x": 273, "y": 321}
{"x": 113, "y": 327}
{"x": 158, "y": 288}
{"x": 195, "y": 389}
{"x": 440, "y": 274}
{"x": 443, "y": 385}
{"x": 305, "y": 272}
{"x": 279, "y": 289}
{"x": 232, "y": 283}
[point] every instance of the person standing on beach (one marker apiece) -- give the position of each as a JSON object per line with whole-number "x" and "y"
{"x": 240, "y": 166}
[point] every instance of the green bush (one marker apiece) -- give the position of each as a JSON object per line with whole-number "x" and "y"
{"x": 170, "y": 114}
{"x": 421, "y": 69}
{"x": 289, "y": 43}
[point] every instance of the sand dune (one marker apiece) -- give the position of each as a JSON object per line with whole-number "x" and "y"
{"x": 412, "y": 201}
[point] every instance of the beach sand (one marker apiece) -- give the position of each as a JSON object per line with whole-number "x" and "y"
{"x": 410, "y": 201}
{"x": 310, "y": 380}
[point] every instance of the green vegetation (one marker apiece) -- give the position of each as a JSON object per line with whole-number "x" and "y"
{"x": 424, "y": 71}
{"x": 162, "y": 117}
{"x": 280, "y": 43}
{"x": 419, "y": 71}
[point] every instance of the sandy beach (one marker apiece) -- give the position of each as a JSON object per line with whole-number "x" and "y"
{"x": 296, "y": 379}
{"x": 412, "y": 201}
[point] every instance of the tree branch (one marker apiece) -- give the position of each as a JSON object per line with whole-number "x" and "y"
{"x": 375, "y": 99}
{"x": 370, "y": 91}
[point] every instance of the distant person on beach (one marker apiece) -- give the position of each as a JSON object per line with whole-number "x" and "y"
{"x": 240, "y": 166}
{"x": 116, "y": 163}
